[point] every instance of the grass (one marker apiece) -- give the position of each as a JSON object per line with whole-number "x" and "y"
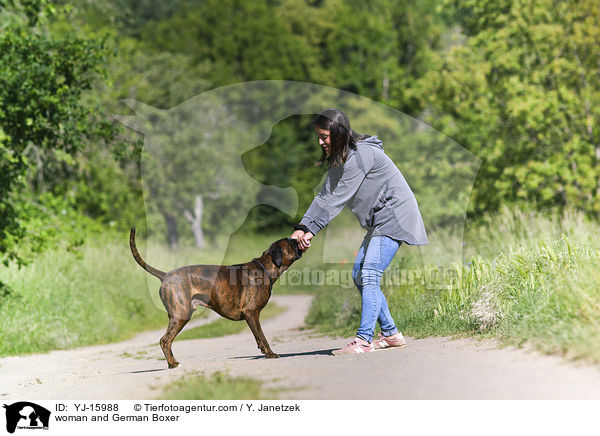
{"x": 69, "y": 299}
{"x": 546, "y": 295}
{"x": 529, "y": 278}
{"x": 224, "y": 327}
{"x": 195, "y": 386}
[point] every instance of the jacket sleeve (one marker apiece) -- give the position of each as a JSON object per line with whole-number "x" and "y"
{"x": 340, "y": 186}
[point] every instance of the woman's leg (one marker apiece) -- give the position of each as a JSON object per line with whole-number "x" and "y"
{"x": 358, "y": 263}
{"x": 378, "y": 252}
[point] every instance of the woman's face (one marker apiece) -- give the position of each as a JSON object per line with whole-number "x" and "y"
{"x": 324, "y": 138}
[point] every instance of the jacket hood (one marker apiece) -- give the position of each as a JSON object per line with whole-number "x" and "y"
{"x": 371, "y": 140}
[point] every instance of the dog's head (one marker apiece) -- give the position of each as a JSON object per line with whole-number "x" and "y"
{"x": 284, "y": 252}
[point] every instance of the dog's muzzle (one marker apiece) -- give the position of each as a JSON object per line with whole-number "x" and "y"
{"x": 297, "y": 251}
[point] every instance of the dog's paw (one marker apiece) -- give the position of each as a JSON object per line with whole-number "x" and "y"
{"x": 272, "y": 356}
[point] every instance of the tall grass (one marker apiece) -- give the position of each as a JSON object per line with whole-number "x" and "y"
{"x": 526, "y": 277}
{"x": 66, "y": 299}
{"x": 546, "y": 294}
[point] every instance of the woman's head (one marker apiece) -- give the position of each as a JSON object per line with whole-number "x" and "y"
{"x": 335, "y": 136}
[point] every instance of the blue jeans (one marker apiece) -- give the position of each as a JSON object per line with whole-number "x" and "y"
{"x": 374, "y": 256}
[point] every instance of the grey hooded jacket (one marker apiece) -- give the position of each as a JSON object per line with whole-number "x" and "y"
{"x": 376, "y": 192}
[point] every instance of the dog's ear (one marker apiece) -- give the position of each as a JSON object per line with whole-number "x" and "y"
{"x": 277, "y": 255}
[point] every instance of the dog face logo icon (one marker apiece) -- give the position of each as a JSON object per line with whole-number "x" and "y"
{"x": 25, "y": 415}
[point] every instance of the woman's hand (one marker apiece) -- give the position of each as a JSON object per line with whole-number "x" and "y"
{"x": 304, "y": 240}
{"x": 297, "y": 234}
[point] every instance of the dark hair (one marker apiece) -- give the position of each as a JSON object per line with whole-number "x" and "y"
{"x": 341, "y": 136}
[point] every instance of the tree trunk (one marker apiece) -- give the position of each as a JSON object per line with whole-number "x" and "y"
{"x": 195, "y": 221}
{"x": 385, "y": 85}
{"x": 172, "y": 234}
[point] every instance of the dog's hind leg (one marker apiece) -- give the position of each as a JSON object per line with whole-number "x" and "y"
{"x": 254, "y": 324}
{"x": 175, "y": 326}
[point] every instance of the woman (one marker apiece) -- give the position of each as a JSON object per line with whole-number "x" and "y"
{"x": 361, "y": 175}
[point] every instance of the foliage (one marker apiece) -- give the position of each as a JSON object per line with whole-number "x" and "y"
{"x": 42, "y": 119}
{"x": 242, "y": 40}
{"x": 287, "y": 40}
{"x": 104, "y": 190}
{"x": 376, "y": 49}
{"x": 373, "y": 48}
{"x": 523, "y": 94}
{"x": 513, "y": 81}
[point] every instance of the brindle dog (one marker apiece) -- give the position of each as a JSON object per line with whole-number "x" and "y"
{"x": 235, "y": 292}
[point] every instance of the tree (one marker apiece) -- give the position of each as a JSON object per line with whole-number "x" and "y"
{"x": 374, "y": 48}
{"x": 42, "y": 81}
{"x": 241, "y": 40}
{"x": 523, "y": 93}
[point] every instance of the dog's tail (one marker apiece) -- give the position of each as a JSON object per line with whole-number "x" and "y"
{"x": 138, "y": 258}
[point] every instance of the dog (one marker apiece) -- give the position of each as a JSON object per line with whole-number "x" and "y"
{"x": 235, "y": 292}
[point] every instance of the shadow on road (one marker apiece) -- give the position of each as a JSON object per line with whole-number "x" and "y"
{"x": 306, "y": 353}
{"x": 146, "y": 370}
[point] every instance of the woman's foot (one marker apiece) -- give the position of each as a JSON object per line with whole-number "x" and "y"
{"x": 356, "y": 346}
{"x": 396, "y": 340}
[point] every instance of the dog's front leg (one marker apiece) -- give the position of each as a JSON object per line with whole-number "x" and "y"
{"x": 254, "y": 324}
